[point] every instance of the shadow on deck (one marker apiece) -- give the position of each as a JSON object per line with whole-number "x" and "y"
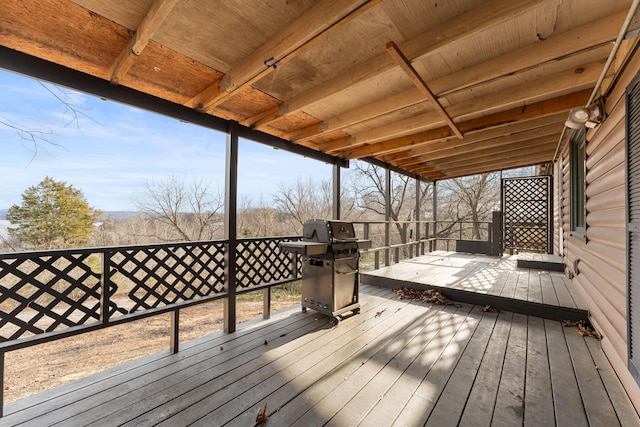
{"x": 525, "y": 284}
{"x": 396, "y": 363}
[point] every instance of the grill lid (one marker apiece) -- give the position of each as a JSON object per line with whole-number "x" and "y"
{"x": 328, "y": 231}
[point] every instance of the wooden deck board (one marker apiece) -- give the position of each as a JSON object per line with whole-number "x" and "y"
{"x": 538, "y": 395}
{"x": 482, "y": 398}
{"x": 396, "y": 363}
{"x": 509, "y": 404}
{"x": 392, "y": 402}
{"x": 567, "y": 401}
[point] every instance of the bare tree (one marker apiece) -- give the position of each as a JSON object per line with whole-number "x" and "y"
{"x": 470, "y": 198}
{"x": 306, "y": 200}
{"x": 181, "y": 211}
{"x": 368, "y": 188}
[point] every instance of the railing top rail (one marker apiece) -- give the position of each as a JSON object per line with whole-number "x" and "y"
{"x": 104, "y": 249}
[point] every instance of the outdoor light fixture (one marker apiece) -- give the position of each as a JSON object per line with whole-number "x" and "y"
{"x": 583, "y": 116}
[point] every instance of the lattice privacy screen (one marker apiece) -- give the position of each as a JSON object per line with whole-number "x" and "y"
{"x": 527, "y": 213}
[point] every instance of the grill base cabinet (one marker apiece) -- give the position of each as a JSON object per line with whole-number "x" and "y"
{"x": 330, "y": 286}
{"x": 330, "y": 262}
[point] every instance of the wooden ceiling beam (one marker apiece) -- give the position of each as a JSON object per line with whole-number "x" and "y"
{"x": 465, "y": 25}
{"x": 152, "y": 20}
{"x": 527, "y": 128}
{"x": 494, "y": 166}
{"x": 497, "y": 146}
{"x": 515, "y": 132}
{"x": 533, "y": 147}
{"x": 413, "y": 75}
{"x": 522, "y": 93}
{"x": 440, "y": 151}
{"x": 556, "y": 48}
{"x": 542, "y": 108}
{"x": 289, "y": 42}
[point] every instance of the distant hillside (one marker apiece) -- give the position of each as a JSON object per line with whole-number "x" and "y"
{"x": 114, "y": 214}
{"x": 120, "y": 214}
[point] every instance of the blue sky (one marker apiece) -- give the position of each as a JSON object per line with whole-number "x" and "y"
{"x": 113, "y": 150}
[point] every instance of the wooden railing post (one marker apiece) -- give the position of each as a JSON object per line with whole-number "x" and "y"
{"x": 266, "y": 303}
{"x": 175, "y": 331}
{"x": 1, "y": 383}
{"x": 105, "y": 284}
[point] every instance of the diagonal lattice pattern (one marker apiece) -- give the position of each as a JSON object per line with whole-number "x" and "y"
{"x": 526, "y": 206}
{"x": 262, "y": 261}
{"x": 160, "y": 275}
{"x": 50, "y": 291}
{"x": 45, "y": 293}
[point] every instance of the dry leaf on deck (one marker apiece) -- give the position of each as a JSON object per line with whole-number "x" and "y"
{"x": 261, "y": 416}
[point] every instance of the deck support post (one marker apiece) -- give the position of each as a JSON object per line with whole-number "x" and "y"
{"x": 387, "y": 215}
{"x": 230, "y": 224}
{"x": 417, "y": 226}
{"x": 435, "y": 218}
{"x": 336, "y": 191}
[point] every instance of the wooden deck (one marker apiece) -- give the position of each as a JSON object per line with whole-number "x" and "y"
{"x": 483, "y": 280}
{"x": 396, "y": 363}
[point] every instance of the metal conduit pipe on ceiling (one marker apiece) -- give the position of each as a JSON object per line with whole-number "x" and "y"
{"x": 616, "y": 46}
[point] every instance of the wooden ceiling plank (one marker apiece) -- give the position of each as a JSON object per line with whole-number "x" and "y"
{"x": 479, "y": 149}
{"x": 556, "y": 48}
{"x": 288, "y": 42}
{"x": 152, "y": 20}
{"x": 413, "y": 75}
{"x": 465, "y": 25}
{"x": 533, "y": 91}
{"x": 452, "y": 149}
{"x": 573, "y": 42}
{"x": 494, "y": 166}
{"x": 535, "y": 127}
{"x": 561, "y": 103}
{"x": 530, "y": 147}
{"x": 360, "y": 114}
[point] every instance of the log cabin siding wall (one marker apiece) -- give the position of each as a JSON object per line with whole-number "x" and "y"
{"x": 598, "y": 263}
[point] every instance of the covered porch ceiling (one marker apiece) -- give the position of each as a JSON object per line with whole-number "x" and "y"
{"x": 435, "y": 89}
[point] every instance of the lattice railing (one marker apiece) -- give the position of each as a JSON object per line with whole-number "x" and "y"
{"x": 53, "y": 291}
{"x": 157, "y": 276}
{"x": 261, "y": 261}
{"x": 47, "y": 292}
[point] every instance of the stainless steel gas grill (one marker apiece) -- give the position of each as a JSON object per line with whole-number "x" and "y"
{"x": 330, "y": 266}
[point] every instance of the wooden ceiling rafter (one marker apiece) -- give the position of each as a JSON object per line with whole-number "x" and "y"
{"x": 426, "y": 122}
{"x": 519, "y": 94}
{"x": 557, "y": 48}
{"x": 532, "y": 146}
{"x": 460, "y": 27}
{"x": 289, "y": 42}
{"x": 417, "y": 80}
{"x": 495, "y": 166}
{"x": 561, "y": 103}
{"x": 527, "y": 128}
{"x": 441, "y": 149}
{"x": 152, "y": 20}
